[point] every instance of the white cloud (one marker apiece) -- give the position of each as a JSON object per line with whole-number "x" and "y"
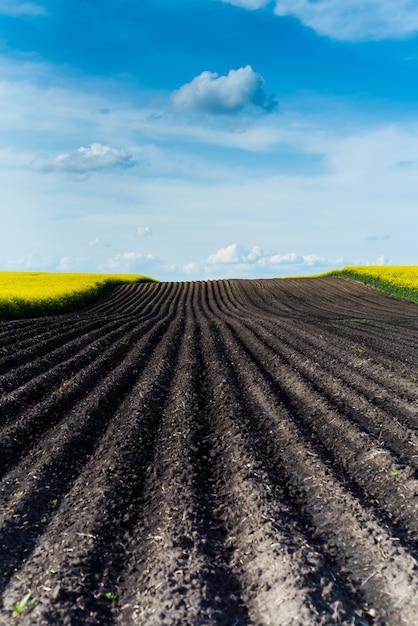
{"x": 212, "y": 93}
{"x": 14, "y": 8}
{"x": 353, "y": 20}
{"x": 248, "y": 4}
{"x": 291, "y": 257}
{"x": 144, "y": 231}
{"x": 348, "y": 20}
{"x": 241, "y": 261}
{"x": 191, "y": 268}
{"x": 383, "y": 260}
{"x": 230, "y": 254}
{"x": 94, "y": 242}
{"x": 132, "y": 256}
{"x": 65, "y": 264}
{"x": 234, "y": 254}
{"x": 127, "y": 262}
{"x": 84, "y": 161}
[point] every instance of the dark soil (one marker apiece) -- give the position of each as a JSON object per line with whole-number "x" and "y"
{"x": 229, "y": 452}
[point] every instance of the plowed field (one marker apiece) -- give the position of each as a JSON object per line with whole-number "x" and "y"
{"x": 227, "y": 452}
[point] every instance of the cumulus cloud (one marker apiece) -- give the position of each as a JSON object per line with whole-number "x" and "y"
{"x": 144, "y": 231}
{"x": 235, "y": 254}
{"x": 230, "y": 254}
{"x": 14, "y": 8}
{"x": 212, "y": 93}
{"x": 354, "y": 20}
{"x": 85, "y": 161}
{"x": 291, "y": 257}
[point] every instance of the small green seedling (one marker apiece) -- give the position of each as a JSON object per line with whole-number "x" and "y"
{"x": 110, "y": 595}
{"x": 19, "y": 495}
{"x": 18, "y": 607}
{"x": 269, "y": 491}
{"x": 393, "y": 472}
{"x": 54, "y": 503}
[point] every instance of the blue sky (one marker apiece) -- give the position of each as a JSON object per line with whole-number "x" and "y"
{"x": 200, "y": 139}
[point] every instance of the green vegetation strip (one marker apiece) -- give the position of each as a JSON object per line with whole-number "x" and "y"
{"x": 33, "y": 294}
{"x": 399, "y": 281}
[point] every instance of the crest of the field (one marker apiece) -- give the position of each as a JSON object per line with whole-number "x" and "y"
{"x": 397, "y": 280}
{"x": 26, "y": 294}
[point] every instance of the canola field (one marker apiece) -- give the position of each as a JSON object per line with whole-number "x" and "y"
{"x": 30, "y": 294}
{"x": 397, "y": 280}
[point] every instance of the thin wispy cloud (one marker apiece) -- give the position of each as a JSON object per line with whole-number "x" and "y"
{"x": 379, "y": 237}
{"x": 85, "y": 161}
{"x": 127, "y": 262}
{"x": 232, "y": 93}
{"x": 351, "y": 20}
{"x": 354, "y": 20}
{"x": 14, "y": 8}
{"x": 248, "y": 4}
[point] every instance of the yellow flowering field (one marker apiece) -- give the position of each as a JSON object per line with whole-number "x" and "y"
{"x": 398, "y": 280}
{"x": 26, "y": 294}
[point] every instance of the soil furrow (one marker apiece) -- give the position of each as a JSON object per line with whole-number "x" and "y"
{"x": 380, "y": 473}
{"x": 72, "y": 355}
{"x": 283, "y": 573}
{"x": 184, "y": 567}
{"x": 350, "y": 538}
{"x": 64, "y": 467}
{"x": 31, "y": 422}
{"x": 231, "y": 452}
{"x": 374, "y": 410}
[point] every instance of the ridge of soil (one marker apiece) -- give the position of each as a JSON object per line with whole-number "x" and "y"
{"x": 236, "y": 452}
